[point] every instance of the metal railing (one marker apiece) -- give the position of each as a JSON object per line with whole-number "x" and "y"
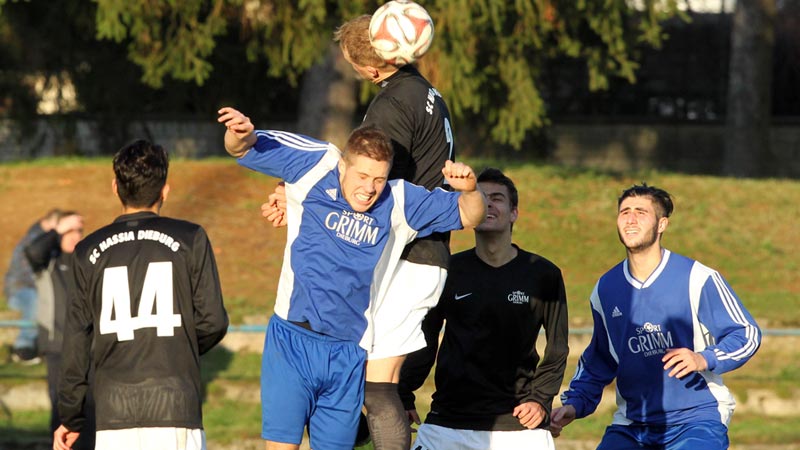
{"x": 260, "y": 328}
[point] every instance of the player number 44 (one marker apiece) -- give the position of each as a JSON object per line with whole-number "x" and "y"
{"x": 157, "y": 290}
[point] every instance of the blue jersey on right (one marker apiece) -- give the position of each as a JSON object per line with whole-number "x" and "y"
{"x": 682, "y": 304}
{"x": 336, "y": 259}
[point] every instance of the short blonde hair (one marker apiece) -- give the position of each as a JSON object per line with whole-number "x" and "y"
{"x": 353, "y": 37}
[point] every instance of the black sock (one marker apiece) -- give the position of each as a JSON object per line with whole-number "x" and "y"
{"x": 388, "y": 423}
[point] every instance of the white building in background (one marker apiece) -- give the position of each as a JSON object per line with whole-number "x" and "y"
{"x": 700, "y": 6}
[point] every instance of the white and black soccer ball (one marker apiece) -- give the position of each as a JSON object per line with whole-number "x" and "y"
{"x": 401, "y": 31}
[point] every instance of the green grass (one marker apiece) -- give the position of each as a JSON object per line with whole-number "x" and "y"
{"x": 747, "y": 229}
{"x": 11, "y": 374}
{"x": 232, "y": 410}
{"x": 24, "y": 427}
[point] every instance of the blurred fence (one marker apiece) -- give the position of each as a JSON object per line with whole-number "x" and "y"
{"x": 261, "y": 328}
{"x": 583, "y": 142}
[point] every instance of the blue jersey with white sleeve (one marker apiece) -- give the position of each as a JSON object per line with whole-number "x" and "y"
{"x": 335, "y": 258}
{"x": 683, "y": 304}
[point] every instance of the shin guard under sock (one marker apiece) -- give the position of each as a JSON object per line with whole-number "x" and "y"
{"x": 388, "y": 423}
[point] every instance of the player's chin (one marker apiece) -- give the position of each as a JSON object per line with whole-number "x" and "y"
{"x": 360, "y": 207}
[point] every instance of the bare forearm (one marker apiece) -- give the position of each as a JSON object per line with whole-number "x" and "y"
{"x": 236, "y": 145}
{"x": 239, "y": 134}
{"x": 472, "y": 207}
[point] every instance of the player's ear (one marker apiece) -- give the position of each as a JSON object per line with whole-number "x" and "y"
{"x": 164, "y": 192}
{"x": 114, "y": 187}
{"x": 514, "y": 214}
{"x": 374, "y": 73}
{"x": 662, "y": 224}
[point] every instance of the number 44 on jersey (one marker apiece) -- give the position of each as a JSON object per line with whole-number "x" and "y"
{"x": 157, "y": 290}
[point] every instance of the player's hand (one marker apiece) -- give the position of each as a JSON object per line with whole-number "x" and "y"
{"x": 413, "y": 417}
{"x": 236, "y": 122}
{"x": 63, "y": 439}
{"x": 240, "y": 136}
{"x": 49, "y": 223}
{"x": 460, "y": 176}
{"x": 530, "y": 414}
{"x": 69, "y": 223}
{"x": 275, "y": 208}
{"x": 561, "y": 417}
{"x": 683, "y": 361}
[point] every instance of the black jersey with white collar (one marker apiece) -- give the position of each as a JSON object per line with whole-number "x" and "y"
{"x": 147, "y": 304}
{"x": 415, "y": 117}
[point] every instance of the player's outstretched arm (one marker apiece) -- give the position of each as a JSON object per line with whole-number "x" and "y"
{"x": 471, "y": 203}
{"x": 240, "y": 134}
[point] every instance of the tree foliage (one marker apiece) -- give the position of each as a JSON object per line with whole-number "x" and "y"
{"x": 486, "y": 58}
{"x": 489, "y": 53}
{"x": 168, "y": 37}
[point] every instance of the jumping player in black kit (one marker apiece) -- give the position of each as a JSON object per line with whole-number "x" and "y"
{"x": 416, "y": 119}
{"x": 493, "y": 390}
{"x": 147, "y": 304}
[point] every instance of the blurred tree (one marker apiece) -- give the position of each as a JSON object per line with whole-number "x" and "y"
{"x": 488, "y": 53}
{"x": 55, "y": 43}
{"x": 747, "y": 147}
{"x": 486, "y": 57}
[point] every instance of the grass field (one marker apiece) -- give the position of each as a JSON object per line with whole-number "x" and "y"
{"x": 232, "y": 409}
{"x": 747, "y": 229}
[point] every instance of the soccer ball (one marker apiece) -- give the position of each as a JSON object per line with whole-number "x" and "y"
{"x": 401, "y": 32}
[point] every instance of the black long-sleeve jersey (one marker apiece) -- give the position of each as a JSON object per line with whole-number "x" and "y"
{"x": 415, "y": 117}
{"x": 147, "y": 304}
{"x": 488, "y": 363}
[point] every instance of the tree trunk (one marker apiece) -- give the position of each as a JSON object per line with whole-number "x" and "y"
{"x": 747, "y": 149}
{"x": 328, "y": 99}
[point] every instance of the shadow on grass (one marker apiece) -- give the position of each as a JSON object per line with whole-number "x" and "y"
{"x": 212, "y": 364}
{"x": 22, "y": 430}
{"x": 25, "y": 430}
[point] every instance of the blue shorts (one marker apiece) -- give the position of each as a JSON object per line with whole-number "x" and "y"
{"x": 310, "y": 379}
{"x": 706, "y": 435}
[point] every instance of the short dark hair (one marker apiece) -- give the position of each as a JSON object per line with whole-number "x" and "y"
{"x": 369, "y": 141}
{"x": 493, "y": 175}
{"x": 660, "y": 198}
{"x": 141, "y": 171}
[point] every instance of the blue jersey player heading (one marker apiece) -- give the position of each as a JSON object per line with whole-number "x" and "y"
{"x": 666, "y": 328}
{"x": 347, "y": 228}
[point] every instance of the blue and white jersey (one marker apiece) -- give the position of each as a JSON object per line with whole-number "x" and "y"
{"x": 683, "y": 304}
{"x": 335, "y": 259}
